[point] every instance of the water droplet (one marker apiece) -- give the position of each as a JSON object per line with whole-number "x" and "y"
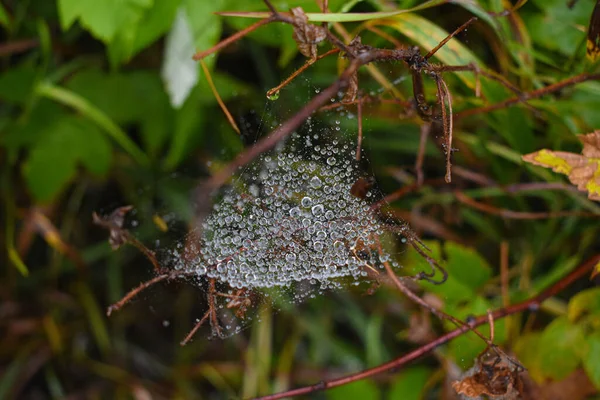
{"x": 315, "y": 182}
{"x": 273, "y": 96}
{"x": 306, "y": 201}
{"x": 317, "y": 210}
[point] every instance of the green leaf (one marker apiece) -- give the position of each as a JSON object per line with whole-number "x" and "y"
{"x": 587, "y": 301}
{"x": 562, "y": 346}
{"x": 527, "y": 348}
{"x": 4, "y": 20}
{"x": 205, "y": 25}
{"x": 591, "y": 359}
{"x": 16, "y": 84}
{"x": 362, "y": 389}
{"x": 153, "y": 23}
{"x": 409, "y": 385}
{"x": 557, "y": 27}
{"x": 52, "y": 163}
{"x": 188, "y": 122}
{"x": 467, "y": 271}
{"x": 467, "y": 266}
{"x": 103, "y": 19}
{"x": 97, "y": 116}
{"x": 129, "y": 98}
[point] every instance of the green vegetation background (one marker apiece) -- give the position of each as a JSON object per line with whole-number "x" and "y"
{"x": 87, "y": 124}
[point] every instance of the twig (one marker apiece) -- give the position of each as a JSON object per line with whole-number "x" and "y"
{"x": 359, "y": 116}
{"x": 531, "y": 304}
{"x": 233, "y": 38}
{"x": 425, "y": 129}
{"x": 463, "y": 198}
{"x": 218, "y": 97}
{"x": 272, "y": 92}
{"x": 529, "y": 95}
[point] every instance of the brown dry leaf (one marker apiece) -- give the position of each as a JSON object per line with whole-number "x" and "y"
{"x": 306, "y": 35}
{"x": 494, "y": 375}
{"x": 114, "y": 223}
{"x": 583, "y": 170}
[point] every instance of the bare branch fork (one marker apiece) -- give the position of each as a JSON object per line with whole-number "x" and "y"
{"x": 531, "y": 304}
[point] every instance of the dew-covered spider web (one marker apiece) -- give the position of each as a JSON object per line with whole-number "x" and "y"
{"x": 289, "y": 226}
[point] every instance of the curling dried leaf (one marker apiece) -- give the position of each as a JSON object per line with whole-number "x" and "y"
{"x": 306, "y": 35}
{"x": 494, "y": 375}
{"x": 583, "y": 170}
{"x": 114, "y": 223}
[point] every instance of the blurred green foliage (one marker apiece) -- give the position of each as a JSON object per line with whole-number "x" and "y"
{"x": 88, "y": 122}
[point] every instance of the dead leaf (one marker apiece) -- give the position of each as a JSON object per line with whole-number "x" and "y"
{"x": 114, "y": 223}
{"x": 494, "y": 375}
{"x": 583, "y": 170}
{"x": 306, "y": 35}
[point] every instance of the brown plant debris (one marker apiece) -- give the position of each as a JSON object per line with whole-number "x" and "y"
{"x": 494, "y": 375}
{"x": 306, "y": 35}
{"x": 583, "y": 170}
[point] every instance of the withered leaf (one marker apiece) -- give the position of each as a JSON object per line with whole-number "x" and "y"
{"x": 494, "y": 375}
{"x": 114, "y": 223}
{"x": 306, "y": 35}
{"x": 352, "y": 90}
{"x": 583, "y": 170}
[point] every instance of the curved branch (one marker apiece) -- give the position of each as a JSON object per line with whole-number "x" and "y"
{"x": 531, "y": 304}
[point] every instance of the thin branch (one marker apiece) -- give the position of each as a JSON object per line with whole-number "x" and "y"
{"x": 463, "y": 198}
{"x": 359, "y": 116}
{"x": 531, "y": 304}
{"x": 529, "y": 95}
{"x": 218, "y": 97}
{"x": 425, "y": 129}
{"x": 233, "y": 38}
{"x": 450, "y": 36}
{"x": 272, "y": 92}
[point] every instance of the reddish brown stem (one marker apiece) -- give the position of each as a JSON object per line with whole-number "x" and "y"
{"x": 218, "y": 97}
{"x": 463, "y": 198}
{"x": 531, "y": 304}
{"x": 529, "y": 95}
{"x": 360, "y": 129}
{"x": 233, "y": 38}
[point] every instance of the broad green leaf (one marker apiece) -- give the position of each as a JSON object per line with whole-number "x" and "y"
{"x": 205, "y": 25}
{"x": 587, "y": 301}
{"x": 103, "y": 19}
{"x": 410, "y": 383}
{"x": 527, "y": 348}
{"x": 362, "y": 389}
{"x": 591, "y": 359}
{"x": 129, "y": 98}
{"x": 188, "y": 122}
{"x": 16, "y": 84}
{"x": 91, "y": 112}
{"x": 562, "y": 346}
{"x": 4, "y": 20}
{"x": 466, "y": 265}
{"x": 558, "y": 27}
{"x": 153, "y": 23}
{"x": 467, "y": 271}
{"x": 52, "y": 163}
{"x": 465, "y": 348}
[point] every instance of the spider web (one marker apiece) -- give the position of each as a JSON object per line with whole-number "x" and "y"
{"x": 290, "y": 225}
